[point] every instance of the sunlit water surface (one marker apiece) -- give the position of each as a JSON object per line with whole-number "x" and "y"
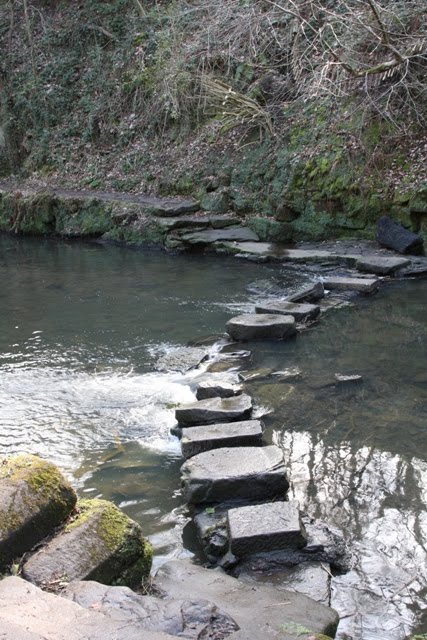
{"x": 81, "y": 329}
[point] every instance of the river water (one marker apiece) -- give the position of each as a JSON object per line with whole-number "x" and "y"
{"x": 81, "y": 328}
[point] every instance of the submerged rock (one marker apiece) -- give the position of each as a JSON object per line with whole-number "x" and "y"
{"x": 267, "y": 326}
{"x": 194, "y": 440}
{"x": 260, "y": 611}
{"x": 214, "y": 410}
{"x": 265, "y": 527}
{"x": 248, "y": 473}
{"x": 101, "y": 543}
{"x": 34, "y": 499}
{"x": 192, "y": 618}
{"x": 394, "y": 236}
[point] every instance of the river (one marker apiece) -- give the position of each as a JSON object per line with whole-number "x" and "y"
{"x": 81, "y": 328}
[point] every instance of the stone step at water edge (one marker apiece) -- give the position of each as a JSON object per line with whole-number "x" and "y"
{"x": 187, "y": 618}
{"x": 198, "y": 222}
{"x": 313, "y": 579}
{"x": 214, "y": 410}
{"x": 211, "y": 236}
{"x": 301, "y": 312}
{"x": 265, "y": 326}
{"x": 265, "y": 527}
{"x": 362, "y": 285}
{"x": 101, "y": 543}
{"x": 260, "y": 611}
{"x": 238, "y": 473}
{"x": 214, "y": 389}
{"x": 195, "y": 440}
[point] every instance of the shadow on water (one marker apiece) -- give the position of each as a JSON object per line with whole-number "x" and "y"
{"x": 80, "y": 330}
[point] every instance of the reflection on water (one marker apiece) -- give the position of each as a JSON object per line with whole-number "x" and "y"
{"x": 80, "y": 329}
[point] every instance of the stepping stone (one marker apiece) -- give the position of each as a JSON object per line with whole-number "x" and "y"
{"x": 214, "y": 410}
{"x": 394, "y": 236}
{"x": 301, "y": 312}
{"x": 182, "y": 359}
{"x": 380, "y": 265}
{"x": 254, "y": 473}
{"x": 194, "y": 440}
{"x": 363, "y": 285}
{"x": 265, "y": 326}
{"x": 265, "y": 527}
{"x": 344, "y": 379}
{"x": 212, "y": 389}
{"x": 308, "y": 294}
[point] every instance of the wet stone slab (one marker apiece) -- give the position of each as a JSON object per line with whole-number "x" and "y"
{"x": 379, "y": 265}
{"x": 308, "y": 294}
{"x": 212, "y": 389}
{"x": 301, "y": 312}
{"x": 255, "y": 473}
{"x": 194, "y": 440}
{"x": 214, "y": 410}
{"x": 262, "y": 326}
{"x": 265, "y": 527}
{"x": 363, "y": 285}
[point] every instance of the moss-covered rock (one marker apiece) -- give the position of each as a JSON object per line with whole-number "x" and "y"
{"x": 34, "y": 499}
{"x": 101, "y": 543}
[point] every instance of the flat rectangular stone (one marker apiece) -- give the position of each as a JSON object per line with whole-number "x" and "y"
{"x": 217, "y": 235}
{"x": 309, "y": 294}
{"x": 299, "y": 311}
{"x": 266, "y": 326}
{"x": 213, "y": 389}
{"x": 364, "y": 285}
{"x": 255, "y": 473}
{"x": 194, "y": 440}
{"x": 265, "y": 527}
{"x": 214, "y": 410}
{"x": 380, "y": 265}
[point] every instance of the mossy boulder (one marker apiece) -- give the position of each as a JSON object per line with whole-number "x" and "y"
{"x": 101, "y": 543}
{"x": 34, "y": 499}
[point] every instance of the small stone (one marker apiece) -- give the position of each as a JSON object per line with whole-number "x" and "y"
{"x": 194, "y": 440}
{"x": 255, "y": 473}
{"x": 213, "y": 410}
{"x": 363, "y": 285}
{"x": 102, "y": 543}
{"x": 301, "y": 312}
{"x": 265, "y": 527}
{"x": 265, "y": 326}
{"x": 212, "y": 389}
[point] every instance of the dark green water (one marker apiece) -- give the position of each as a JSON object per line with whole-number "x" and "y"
{"x": 80, "y": 330}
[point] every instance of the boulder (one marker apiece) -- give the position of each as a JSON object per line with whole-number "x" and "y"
{"x": 362, "y": 285}
{"x": 265, "y": 527}
{"x": 245, "y": 473}
{"x": 34, "y": 499}
{"x": 194, "y": 440}
{"x": 211, "y": 389}
{"x": 188, "y": 618}
{"x": 214, "y": 410}
{"x": 101, "y": 543}
{"x": 260, "y": 611}
{"x": 265, "y": 326}
{"x": 28, "y": 613}
{"x": 394, "y": 236}
{"x": 301, "y": 312}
